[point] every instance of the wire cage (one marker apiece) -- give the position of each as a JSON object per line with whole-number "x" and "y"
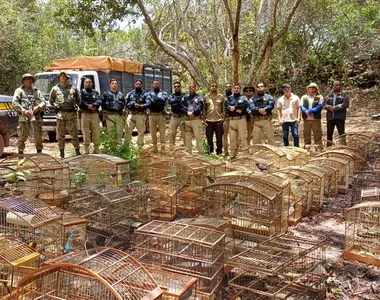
{"x": 107, "y": 274}
{"x": 362, "y": 230}
{"x": 317, "y": 185}
{"x": 174, "y": 286}
{"x": 301, "y": 194}
{"x": 33, "y": 222}
{"x": 108, "y": 208}
{"x": 343, "y": 168}
{"x": 16, "y": 261}
{"x": 184, "y": 249}
{"x": 274, "y": 267}
{"x": 251, "y": 205}
{"x": 43, "y": 174}
{"x": 370, "y": 194}
{"x": 98, "y": 169}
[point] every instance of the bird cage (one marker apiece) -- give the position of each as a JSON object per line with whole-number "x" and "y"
{"x": 376, "y": 166}
{"x": 98, "y": 169}
{"x": 16, "y": 261}
{"x": 370, "y": 194}
{"x": 251, "y": 205}
{"x": 107, "y": 274}
{"x": 106, "y": 207}
{"x": 301, "y": 190}
{"x": 359, "y": 161}
{"x": 360, "y": 142}
{"x": 33, "y": 222}
{"x": 74, "y": 230}
{"x": 362, "y": 240}
{"x": 184, "y": 249}
{"x": 272, "y": 268}
{"x": 332, "y": 178}
{"x": 295, "y": 155}
{"x": 343, "y": 168}
{"x": 317, "y": 187}
{"x": 174, "y": 286}
{"x": 43, "y": 174}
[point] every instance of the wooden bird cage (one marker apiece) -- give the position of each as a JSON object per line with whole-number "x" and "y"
{"x": 370, "y": 194}
{"x": 301, "y": 194}
{"x": 251, "y": 205}
{"x": 31, "y": 221}
{"x": 279, "y": 263}
{"x": 359, "y": 161}
{"x": 43, "y": 174}
{"x": 376, "y": 166}
{"x": 184, "y": 249}
{"x": 296, "y": 156}
{"x": 174, "y": 286}
{"x": 360, "y": 142}
{"x": 362, "y": 232}
{"x": 343, "y": 168}
{"x": 108, "y": 274}
{"x": 16, "y": 261}
{"x": 98, "y": 169}
{"x": 317, "y": 185}
{"x": 107, "y": 208}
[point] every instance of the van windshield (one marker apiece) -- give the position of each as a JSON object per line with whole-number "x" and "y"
{"x": 45, "y": 82}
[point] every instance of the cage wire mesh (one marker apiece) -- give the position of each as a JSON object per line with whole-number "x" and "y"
{"x": 184, "y": 249}
{"x": 16, "y": 261}
{"x": 362, "y": 233}
{"x": 106, "y": 274}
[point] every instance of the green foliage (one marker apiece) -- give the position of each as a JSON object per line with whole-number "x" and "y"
{"x": 80, "y": 177}
{"x": 15, "y": 176}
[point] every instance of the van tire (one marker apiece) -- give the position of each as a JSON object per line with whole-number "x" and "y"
{"x": 52, "y": 136}
{"x": 1, "y": 145}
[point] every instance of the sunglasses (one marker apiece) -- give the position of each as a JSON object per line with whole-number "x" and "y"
{"x": 214, "y": 85}
{"x": 249, "y": 90}
{"x": 177, "y": 86}
{"x": 260, "y": 86}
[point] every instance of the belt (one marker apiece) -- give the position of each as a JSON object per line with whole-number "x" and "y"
{"x": 66, "y": 110}
{"x": 156, "y": 113}
{"x": 262, "y": 117}
{"x": 177, "y": 115}
{"x": 110, "y": 112}
{"x": 236, "y": 118}
{"x": 89, "y": 111}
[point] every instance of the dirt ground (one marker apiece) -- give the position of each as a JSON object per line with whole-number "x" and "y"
{"x": 348, "y": 279}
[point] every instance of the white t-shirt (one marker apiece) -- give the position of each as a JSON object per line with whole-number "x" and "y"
{"x": 289, "y": 107}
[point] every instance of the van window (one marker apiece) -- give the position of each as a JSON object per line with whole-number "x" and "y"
{"x": 83, "y": 79}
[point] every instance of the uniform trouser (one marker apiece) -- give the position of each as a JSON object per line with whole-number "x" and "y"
{"x": 116, "y": 122}
{"x": 217, "y": 128}
{"x": 194, "y": 127}
{"x": 23, "y": 129}
{"x": 90, "y": 130}
{"x": 176, "y": 122}
{"x": 315, "y": 126}
{"x": 249, "y": 131}
{"x": 226, "y": 126}
{"x": 237, "y": 131}
{"x": 68, "y": 120}
{"x": 157, "y": 121}
{"x": 135, "y": 121}
{"x": 340, "y": 125}
{"x": 260, "y": 126}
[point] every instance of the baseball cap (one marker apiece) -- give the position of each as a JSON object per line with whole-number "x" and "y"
{"x": 286, "y": 86}
{"x": 312, "y": 85}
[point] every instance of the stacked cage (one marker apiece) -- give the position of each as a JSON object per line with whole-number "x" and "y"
{"x": 360, "y": 142}
{"x": 362, "y": 240}
{"x": 108, "y": 210}
{"x": 43, "y": 176}
{"x": 107, "y": 274}
{"x": 284, "y": 267}
{"x": 253, "y": 206}
{"x": 16, "y": 261}
{"x": 184, "y": 249}
{"x": 98, "y": 169}
{"x": 370, "y": 194}
{"x": 33, "y": 222}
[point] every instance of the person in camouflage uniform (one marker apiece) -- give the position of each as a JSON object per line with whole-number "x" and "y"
{"x": 29, "y": 103}
{"x": 65, "y": 97}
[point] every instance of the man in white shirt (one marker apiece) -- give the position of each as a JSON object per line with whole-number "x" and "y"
{"x": 289, "y": 114}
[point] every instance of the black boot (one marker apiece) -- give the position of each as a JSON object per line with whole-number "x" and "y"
{"x": 39, "y": 150}
{"x": 77, "y": 152}
{"x": 20, "y": 152}
{"x": 62, "y": 152}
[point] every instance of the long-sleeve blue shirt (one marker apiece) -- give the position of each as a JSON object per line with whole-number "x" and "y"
{"x": 90, "y": 97}
{"x": 157, "y": 100}
{"x": 239, "y": 102}
{"x": 257, "y": 102}
{"x": 137, "y": 97}
{"x": 193, "y": 103}
{"x": 176, "y": 102}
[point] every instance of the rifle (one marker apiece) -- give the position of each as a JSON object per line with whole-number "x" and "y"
{"x": 32, "y": 118}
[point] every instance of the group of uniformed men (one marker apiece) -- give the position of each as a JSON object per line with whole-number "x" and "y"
{"x": 235, "y": 119}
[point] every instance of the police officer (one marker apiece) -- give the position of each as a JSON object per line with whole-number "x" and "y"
{"x": 65, "y": 97}
{"x": 157, "y": 99}
{"x": 261, "y": 106}
{"x": 89, "y": 112}
{"x": 236, "y": 109}
{"x": 29, "y": 103}
{"x": 177, "y": 118}
{"x": 192, "y": 108}
{"x": 137, "y": 106}
{"x": 226, "y": 124}
{"x": 248, "y": 93}
{"x": 113, "y": 105}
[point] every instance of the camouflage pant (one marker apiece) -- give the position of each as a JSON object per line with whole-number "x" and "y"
{"x": 23, "y": 130}
{"x": 67, "y": 120}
